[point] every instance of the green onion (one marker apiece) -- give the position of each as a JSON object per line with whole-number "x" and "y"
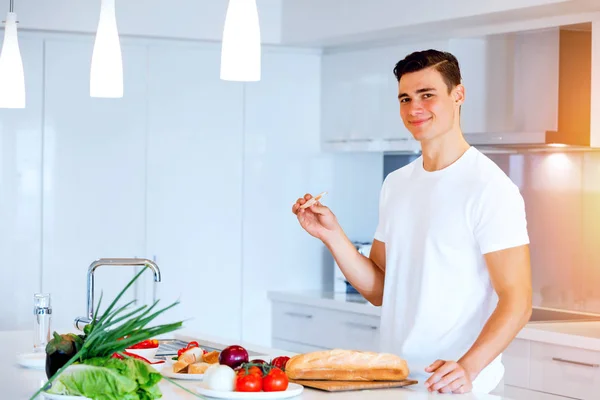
{"x": 102, "y": 334}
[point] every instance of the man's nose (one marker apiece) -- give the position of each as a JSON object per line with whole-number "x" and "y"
{"x": 415, "y": 108}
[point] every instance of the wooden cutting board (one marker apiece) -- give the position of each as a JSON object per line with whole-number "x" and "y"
{"x": 340, "y": 386}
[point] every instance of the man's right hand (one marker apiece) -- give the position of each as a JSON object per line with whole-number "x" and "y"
{"x": 317, "y": 219}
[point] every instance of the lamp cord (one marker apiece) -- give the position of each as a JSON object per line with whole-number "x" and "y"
{"x": 12, "y": 6}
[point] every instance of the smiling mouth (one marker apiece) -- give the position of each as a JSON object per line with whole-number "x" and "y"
{"x": 419, "y": 122}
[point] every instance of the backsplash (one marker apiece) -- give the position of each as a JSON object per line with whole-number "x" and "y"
{"x": 562, "y": 199}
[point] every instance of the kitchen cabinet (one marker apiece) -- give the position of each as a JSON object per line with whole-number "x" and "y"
{"x": 517, "y": 393}
{"x": 21, "y": 195}
{"x": 194, "y": 186}
{"x": 297, "y": 325}
{"x": 487, "y": 65}
{"x": 552, "y": 369}
{"x": 94, "y": 176}
{"x": 281, "y": 161}
{"x": 504, "y": 75}
{"x": 359, "y": 94}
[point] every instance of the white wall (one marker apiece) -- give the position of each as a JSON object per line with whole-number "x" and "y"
{"x": 190, "y": 19}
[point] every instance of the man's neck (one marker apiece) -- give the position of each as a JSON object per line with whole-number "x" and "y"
{"x": 443, "y": 151}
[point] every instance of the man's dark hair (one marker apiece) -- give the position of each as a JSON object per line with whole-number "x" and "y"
{"x": 445, "y": 63}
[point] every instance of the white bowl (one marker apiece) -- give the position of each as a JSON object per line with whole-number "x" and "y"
{"x": 148, "y": 354}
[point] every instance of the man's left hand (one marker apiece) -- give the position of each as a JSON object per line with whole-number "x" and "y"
{"x": 448, "y": 377}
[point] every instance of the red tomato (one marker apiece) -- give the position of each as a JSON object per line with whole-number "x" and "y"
{"x": 248, "y": 383}
{"x": 280, "y": 362}
{"x": 275, "y": 381}
{"x": 251, "y": 370}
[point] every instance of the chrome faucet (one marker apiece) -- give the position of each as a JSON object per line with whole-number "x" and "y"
{"x": 81, "y": 322}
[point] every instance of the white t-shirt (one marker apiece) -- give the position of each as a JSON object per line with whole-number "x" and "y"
{"x": 436, "y": 227}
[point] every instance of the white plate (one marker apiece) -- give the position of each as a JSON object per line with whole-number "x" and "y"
{"x": 293, "y": 390}
{"x": 49, "y": 396}
{"x": 168, "y": 372}
{"x": 32, "y": 360}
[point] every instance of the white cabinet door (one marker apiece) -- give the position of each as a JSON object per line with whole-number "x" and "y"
{"x": 324, "y": 328}
{"x": 517, "y": 393}
{"x": 20, "y": 196}
{"x": 565, "y": 371}
{"x": 94, "y": 176}
{"x": 194, "y": 189}
{"x": 281, "y": 163}
{"x": 487, "y": 69}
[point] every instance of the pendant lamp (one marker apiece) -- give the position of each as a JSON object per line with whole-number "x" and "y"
{"x": 12, "y": 77}
{"x": 241, "y": 49}
{"x": 106, "y": 76}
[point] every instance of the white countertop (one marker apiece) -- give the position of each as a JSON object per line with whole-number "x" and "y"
{"x": 584, "y": 335}
{"x": 17, "y": 383}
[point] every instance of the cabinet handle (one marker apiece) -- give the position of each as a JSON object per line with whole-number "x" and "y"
{"x": 575, "y": 362}
{"x": 299, "y": 315}
{"x": 361, "y": 326}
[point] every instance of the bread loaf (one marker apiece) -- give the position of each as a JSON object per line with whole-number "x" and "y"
{"x": 347, "y": 365}
{"x": 198, "y": 368}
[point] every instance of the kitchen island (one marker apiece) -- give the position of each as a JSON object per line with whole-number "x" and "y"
{"x": 18, "y": 383}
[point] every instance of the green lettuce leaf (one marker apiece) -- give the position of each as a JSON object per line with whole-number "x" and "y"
{"x": 96, "y": 383}
{"x": 110, "y": 379}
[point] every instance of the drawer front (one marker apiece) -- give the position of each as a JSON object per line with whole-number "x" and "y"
{"x": 298, "y": 323}
{"x": 516, "y": 363}
{"x": 565, "y": 371}
{"x": 517, "y": 393}
{"x": 294, "y": 347}
{"x": 352, "y": 331}
{"x": 324, "y": 328}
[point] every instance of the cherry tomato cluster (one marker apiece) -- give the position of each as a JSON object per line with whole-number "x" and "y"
{"x": 256, "y": 377}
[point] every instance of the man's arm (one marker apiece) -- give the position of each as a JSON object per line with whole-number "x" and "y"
{"x": 365, "y": 274}
{"x": 510, "y": 274}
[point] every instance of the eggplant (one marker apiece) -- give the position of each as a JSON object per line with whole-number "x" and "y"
{"x": 59, "y": 350}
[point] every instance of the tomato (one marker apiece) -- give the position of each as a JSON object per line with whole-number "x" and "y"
{"x": 280, "y": 362}
{"x": 248, "y": 383}
{"x": 275, "y": 381}
{"x": 251, "y": 370}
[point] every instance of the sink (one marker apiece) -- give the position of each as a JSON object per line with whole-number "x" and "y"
{"x": 552, "y": 315}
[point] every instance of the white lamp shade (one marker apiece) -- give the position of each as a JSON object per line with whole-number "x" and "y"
{"x": 241, "y": 52}
{"x": 12, "y": 77}
{"x": 106, "y": 77}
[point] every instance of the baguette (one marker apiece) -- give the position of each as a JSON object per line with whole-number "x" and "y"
{"x": 347, "y": 365}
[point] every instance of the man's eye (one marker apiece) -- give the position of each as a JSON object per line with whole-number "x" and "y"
{"x": 427, "y": 95}
{"x": 404, "y": 100}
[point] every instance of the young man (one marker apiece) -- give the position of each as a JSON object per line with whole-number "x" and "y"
{"x": 450, "y": 259}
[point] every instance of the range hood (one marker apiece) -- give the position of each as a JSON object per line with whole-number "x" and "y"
{"x": 572, "y": 129}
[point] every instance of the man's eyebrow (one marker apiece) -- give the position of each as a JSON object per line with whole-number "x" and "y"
{"x": 401, "y": 95}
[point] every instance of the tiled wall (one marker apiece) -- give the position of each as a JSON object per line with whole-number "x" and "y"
{"x": 562, "y": 198}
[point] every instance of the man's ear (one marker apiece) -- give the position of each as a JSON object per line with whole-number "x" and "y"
{"x": 459, "y": 94}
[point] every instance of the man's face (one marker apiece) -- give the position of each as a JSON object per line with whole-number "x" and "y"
{"x": 427, "y": 109}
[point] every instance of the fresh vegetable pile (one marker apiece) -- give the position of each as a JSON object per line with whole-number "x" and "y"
{"x": 96, "y": 364}
{"x": 235, "y": 373}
